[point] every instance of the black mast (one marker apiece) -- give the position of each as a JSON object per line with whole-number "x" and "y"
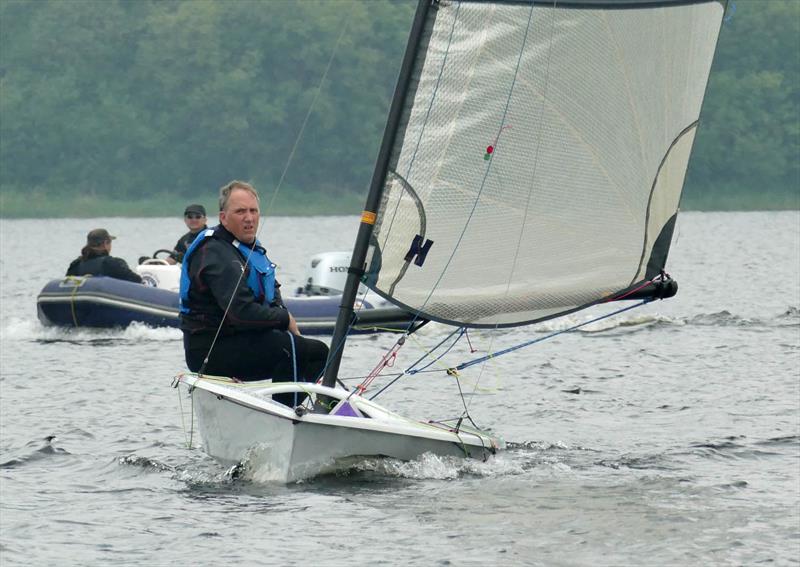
{"x": 357, "y": 262}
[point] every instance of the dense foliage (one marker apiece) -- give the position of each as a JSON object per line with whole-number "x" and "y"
{"x": 747, "y": 152}
{"x": 124, "y": 106}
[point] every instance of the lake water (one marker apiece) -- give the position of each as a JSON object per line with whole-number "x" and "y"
{"x": 669, "y": 435}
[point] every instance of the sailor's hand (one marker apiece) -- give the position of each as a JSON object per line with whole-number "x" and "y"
{"x": 293, "y": 326}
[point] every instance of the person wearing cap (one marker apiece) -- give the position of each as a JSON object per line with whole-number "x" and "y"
{"x": 95, "y": 259}
{"x": 195, "y": 218}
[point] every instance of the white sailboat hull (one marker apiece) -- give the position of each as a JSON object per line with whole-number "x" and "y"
{"x": 240, "y": 421}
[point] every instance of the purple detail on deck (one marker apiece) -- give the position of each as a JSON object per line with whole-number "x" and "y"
{"x": 345, "y": 409}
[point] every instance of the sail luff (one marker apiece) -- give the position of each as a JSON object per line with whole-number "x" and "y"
{"x": 479, "y": 195}
{"x": 358, "y": 259}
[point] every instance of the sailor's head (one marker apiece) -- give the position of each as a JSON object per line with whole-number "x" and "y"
{"x": 195, "y": 217}
{"x": 238, "y": 210}
{"x": 99, "y": 238}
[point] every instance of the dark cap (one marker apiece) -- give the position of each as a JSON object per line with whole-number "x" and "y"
{"x": 199, "y": 209}
{"x": 98, "y": 236}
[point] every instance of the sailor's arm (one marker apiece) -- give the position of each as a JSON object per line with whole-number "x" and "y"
{"x": 293, "y": 326}
{"x": 73, "y": 267}
{"x": 178, "y": 252}
{"x": 118, "y": 268}
{"x": 221, "y": 274}
{"x": 278, "y": 301}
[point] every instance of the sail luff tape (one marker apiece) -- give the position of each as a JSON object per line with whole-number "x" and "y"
{"x": 368, "y": 217}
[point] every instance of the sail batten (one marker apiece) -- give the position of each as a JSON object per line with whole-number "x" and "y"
{"x": 540, "y": 155}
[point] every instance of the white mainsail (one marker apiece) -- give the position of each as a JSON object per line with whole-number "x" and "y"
{"x": 542, "y": 151}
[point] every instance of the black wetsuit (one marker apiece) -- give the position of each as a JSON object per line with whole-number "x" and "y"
{"x": 253, "y": 343}
{"x": 103, "y": 265}
{"x": 183, "y": 244}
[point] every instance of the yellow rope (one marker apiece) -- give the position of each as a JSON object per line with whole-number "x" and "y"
{"x": 76, "y": 285}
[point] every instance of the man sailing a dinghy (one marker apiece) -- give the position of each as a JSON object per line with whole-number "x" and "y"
{"x": 95, "y": 259}
{"x": 229, "y": 291}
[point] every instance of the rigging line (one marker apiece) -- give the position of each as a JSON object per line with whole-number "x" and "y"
{"x": 531, "y": 184}
{"x": 466, "y": 406}
{"x": 387, "y": 361}
{"x": 227, "y": 307}
{"x": 438, "y": 358}
{"x": 480, "y": 191}
{"x": 463, "y": 403}
{"x": 280, "y": 181}
{"x": 332, "y": 352}
{"x": 410, "y": 327}
{"x": 430, "y": 351}
{"x": 186, "y": 437}
{"x": 344, "y": 28}
{"x": 485, "y": 175}
{"x": 569, "y": 330}
{"x": 350, "y": 378}
{"x": 424, "y": 123}
{"x": 662, "y": 277}
{"x": 420, "y": 359}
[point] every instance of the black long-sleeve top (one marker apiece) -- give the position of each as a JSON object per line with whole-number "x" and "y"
{"x": 183, "y": 244}
{"x": 103, "y": 265}
{"x": 214, "y": 269}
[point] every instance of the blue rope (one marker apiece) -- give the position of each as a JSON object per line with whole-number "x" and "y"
{"x": 517, "y": 347}
{"x": 420, "y": 359}
{"x": 411, "y": 370}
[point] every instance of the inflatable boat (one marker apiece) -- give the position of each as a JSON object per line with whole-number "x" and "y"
{"x": 97, "y": 301}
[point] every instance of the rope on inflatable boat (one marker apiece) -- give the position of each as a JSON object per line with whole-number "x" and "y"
{"x": 72, "y": 299}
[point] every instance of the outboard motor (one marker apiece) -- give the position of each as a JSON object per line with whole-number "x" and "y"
{"x": 326, "y": 274}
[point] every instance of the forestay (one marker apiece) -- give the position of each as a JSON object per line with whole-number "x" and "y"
{"x": 540, "y": 156}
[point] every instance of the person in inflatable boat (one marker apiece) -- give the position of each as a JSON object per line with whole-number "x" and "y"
{"x": 228, "y": 285}
{"x": 195, "y": 218}
{"x": 96, "y": 259}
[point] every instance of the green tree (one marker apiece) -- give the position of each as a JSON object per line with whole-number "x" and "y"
{"x": 148, "y": 103}
{"x": 747, "y": 152}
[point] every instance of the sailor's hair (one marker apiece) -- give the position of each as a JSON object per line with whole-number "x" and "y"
{"x": 225, "y": 192}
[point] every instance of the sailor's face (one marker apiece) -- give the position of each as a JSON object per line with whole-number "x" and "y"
{"x": 240, "y": 216}
{"x": 194, "y": 221}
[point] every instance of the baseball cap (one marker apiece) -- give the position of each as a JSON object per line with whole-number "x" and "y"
{"x": 199, "y": 209}
{"x": 98, "y": 236}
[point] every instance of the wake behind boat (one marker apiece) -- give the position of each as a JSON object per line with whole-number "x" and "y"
{"x": 531, "y": 167}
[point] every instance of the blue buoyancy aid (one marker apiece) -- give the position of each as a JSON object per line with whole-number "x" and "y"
{"x": 260, "y": 276}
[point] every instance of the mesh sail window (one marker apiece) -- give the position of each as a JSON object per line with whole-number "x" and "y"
{"x": 541, "y": 155}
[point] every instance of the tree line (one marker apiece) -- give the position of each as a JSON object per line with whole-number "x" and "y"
{"x": 125, "y": 105}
